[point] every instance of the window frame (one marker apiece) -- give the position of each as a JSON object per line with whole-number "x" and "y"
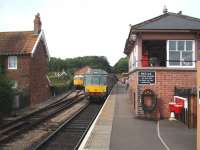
{"x": 10, "y": 60}
{"x": 133, "y": 60}
{"x": 193, "y": 54}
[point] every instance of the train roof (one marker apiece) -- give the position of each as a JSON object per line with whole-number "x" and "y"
{"x": 78, "y": 76}
{"x": 97, "y": 72}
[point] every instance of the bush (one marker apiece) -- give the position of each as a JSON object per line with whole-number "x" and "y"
{"x": 6, "y": 94}
{"x": 61, "y": 84}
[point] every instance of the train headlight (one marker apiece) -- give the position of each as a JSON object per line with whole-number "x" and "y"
{"x": 105, "y": 89}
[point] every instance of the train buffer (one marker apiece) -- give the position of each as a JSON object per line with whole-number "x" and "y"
{"x": 116, "y": 128}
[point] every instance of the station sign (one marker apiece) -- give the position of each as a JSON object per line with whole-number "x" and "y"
{"x": 146, "y": 77}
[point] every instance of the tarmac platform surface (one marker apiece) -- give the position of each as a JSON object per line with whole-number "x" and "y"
{"x": 116, "y": 128}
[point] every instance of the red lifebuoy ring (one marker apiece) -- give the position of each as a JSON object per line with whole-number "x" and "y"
{"x": 149, "y": 100}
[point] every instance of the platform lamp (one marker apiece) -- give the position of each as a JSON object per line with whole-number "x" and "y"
{"x": 133, "y": 37}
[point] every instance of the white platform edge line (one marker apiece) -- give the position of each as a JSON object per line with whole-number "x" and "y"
{"x": 81, "y": 147}
{"x": 160, "y": 138}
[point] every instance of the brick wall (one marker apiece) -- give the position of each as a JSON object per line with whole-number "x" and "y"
{"x": 22, "y": 73}
{"x": 133, "y": 90}
{"x": 166, "y": 80}
{"x": 31, "y": 74}
{"x": 40, "y": 89}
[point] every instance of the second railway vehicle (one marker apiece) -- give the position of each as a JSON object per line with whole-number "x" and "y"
{"x": 78, "y": 81}
{"x": 98, "y": 84}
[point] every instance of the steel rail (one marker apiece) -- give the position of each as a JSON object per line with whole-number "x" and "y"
{"x": 66, "y": 123}
{"x": 38, "y": 146}
{"x": 84, "y": 134}
{"x": 10, "y": 123}
{"x": 36, "y": 119}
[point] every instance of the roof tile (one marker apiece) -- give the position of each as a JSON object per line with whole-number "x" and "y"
{"x": 17, "y": 42}
{"x": 169, "y": 21}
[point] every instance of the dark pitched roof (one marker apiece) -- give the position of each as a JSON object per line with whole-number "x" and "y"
{"x": 169, "y": 21}
{"x": 17, "y": 42}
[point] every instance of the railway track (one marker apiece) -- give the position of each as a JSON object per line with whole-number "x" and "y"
{"x": 70, "y": 134}
{"x": 7, "y": 123}
{"x": 25, "y": 123}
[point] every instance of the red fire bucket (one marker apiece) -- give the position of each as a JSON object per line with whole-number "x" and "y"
{"x": 172, "y": 106}
{"x": 178, "y": 108}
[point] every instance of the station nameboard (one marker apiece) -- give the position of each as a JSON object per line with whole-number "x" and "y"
{"x": 146, "y": 77}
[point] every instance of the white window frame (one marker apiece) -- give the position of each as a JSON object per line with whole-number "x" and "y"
{"x": 133, "y": 60}
{"x": 10, "y": 61}
{"x": 193, "y": 54}
{"x": 136, "y": 55}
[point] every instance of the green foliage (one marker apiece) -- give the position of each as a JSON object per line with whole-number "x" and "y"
{"x": 1, "y": 64}
{"x": 121, "y": 66}
{"x": 6, "y": 94}
{"x": 71, "y": 64}
{"x": 61, "y": 84}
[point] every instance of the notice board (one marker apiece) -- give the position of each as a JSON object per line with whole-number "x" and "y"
{"x": 146, "y": 77}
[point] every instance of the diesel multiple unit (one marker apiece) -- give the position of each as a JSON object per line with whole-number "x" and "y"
{"x": 98, "y": 84}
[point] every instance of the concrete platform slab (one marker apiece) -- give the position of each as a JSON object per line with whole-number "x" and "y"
{"x": 129, "y": 133}
{"x": 177, "y": 135}
{"x": 116, "y": 128}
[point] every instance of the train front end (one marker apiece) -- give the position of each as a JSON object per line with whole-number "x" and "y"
{"x": 96, "y": 86}
{"x": 78, "y": 81}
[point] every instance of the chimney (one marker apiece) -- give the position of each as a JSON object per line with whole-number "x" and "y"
{"x": 180, "y": 13}
{"x": 37, "y": 24}
{"x": 165, "y": 10}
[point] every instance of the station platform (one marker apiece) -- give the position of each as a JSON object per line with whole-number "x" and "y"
{"x": 116, "y": 128}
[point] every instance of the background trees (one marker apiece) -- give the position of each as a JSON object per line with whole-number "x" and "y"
{"x": 72, "y": 64}
{"x": 100, "y": 62}
{"x": 121, "y": 66}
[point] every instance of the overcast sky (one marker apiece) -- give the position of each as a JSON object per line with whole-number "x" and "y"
{"x": 87, "y": 27}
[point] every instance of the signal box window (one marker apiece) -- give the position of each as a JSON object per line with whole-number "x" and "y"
{"x": 181, "y": 53}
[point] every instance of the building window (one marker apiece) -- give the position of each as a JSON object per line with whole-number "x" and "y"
{"x": 131, "y": 62}
{"x": 12, "y": 62}
{"x": 133, "y": 59}
{"x": 180, "y": 53}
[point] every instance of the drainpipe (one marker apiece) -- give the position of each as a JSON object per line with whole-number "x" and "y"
{"x": 198, "y": 98}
